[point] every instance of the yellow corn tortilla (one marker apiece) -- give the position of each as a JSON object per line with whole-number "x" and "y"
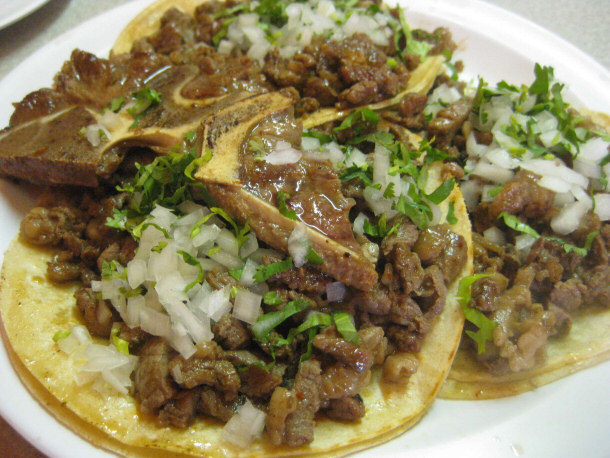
{"x": 33, "y": 310}
{"x": 587, "y": 344}
{"x": 147, "y": 23}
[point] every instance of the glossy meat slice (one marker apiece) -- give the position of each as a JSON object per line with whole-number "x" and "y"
{"x": 250, "y": 197}
{"x": 46, "y": 143}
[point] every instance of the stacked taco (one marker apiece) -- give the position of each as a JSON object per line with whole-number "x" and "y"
{"x": 240, "y": 251}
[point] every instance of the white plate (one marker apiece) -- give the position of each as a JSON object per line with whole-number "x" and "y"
{"x": 567, "y": 418}
{"x": 13, "y": 10}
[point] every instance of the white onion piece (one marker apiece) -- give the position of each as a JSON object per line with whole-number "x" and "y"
{"x": 335, "y": 291}
{"x": 182, "y": 344}
{"x": 227, "y": 259}
{"x": 587, "y": 168}
{"x": 228, "y": 242}
{"x": 356, "y": 157}
{"x": 96, "y": 286}
{"x": 113, "y": 381}
{"x": 555, "y": 168}
{"x": 154, "y": 322}
{"x": 225, "y": 47}
{"x": 473, "y": 148}
{"x": 310, "y": 143}
{"x": 208, "y": 233}
{"x": 104, "y": 357}
{"x": 298, "y": 244}
{"x": 246, "y": 425}
{"x": 134, "y": 306}
{"x": 249, "y": 246}
{"x": 94, "y": 133}
{"x": 568, "y": 219}
{"x": 594, "y": 149}
{"x": 492, "y": 172}
{"x": 563, "y": 198}
{"x": 247, "y": 275}
{"x": 602, "y": 206}
{"x": 471, "y": 191}
{"x": 501, "y": 158}
{"x": 555, "y": 184}
{"x": 163, "y": 217}
{"x": 283, "y": 154}
{"x": 495, "y": 235}
{"x": 136, "y": 272}
{"x": 359, "y": 223}
{"x": 246, "y": 306}
{"x": 218, "y": 303}
{"x": 524, "y": 242}
{"x": 111, "y": 120}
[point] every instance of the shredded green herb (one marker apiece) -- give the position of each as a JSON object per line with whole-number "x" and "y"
{"x": 485, "y": 325}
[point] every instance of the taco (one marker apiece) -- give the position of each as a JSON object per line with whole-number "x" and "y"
{"x": 334, "y": 57}
{"x": 254, "y": 280}
{"x": 537, "y": 193}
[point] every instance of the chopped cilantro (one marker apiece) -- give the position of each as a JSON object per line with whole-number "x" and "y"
{"x": 59, "y": 335}
{"x": 313, "y": 258}
{"x": 485, "y": 325}
{"x": 271, "y": 298}
{"x": 145, "y": 98}
{"x": 451, "y": 218}
{"x": 264, "y": 273}
{"x": 269, "y": 321}
{"x": 282, "y": 197}
{"x": 345, "y": 327}
{"x": 121, "y": 345}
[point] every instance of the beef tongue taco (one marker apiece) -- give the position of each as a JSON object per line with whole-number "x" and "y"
{"x": 213, "y": 279}
{"x": 537, "y": 193}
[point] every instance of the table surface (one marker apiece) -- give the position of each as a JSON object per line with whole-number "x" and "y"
{"x": 583, "y": 23}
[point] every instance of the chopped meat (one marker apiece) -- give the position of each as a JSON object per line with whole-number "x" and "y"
{"x": 180, "y": 410}
{"x": 568, "y": 295}
{"x": 299, "y": 425}
{"x": 98, "y": 314}
{"x": 399, "y": 367}
{"x": 486, "y": 290}
{"x": 231, "y": 333}
{"x": 377, "y": 301}
{"x": 348, "y": 353}
{"x": 340, "y": 380}
{"x": 374, "y": 340}
{"x": 447, "y": 123}
{"x": 598, "y": 283}
{"x": 522, "y": 196}
{"x": 441, "y": 246}
{"x": 49, "y": 226}
{"x": 213, "y": 404}
{"x": 258, "y": 382}
{"x": 283, "y": 403}
{"x": 197, "y": 371}
{"x": 153, "y": 386}
{"x": 345, "y": 409}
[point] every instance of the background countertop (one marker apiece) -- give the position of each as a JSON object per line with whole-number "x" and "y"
{"x": 582, "y": 23}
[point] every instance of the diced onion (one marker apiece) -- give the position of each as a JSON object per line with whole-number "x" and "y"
{"x": 298, "y": 244}
{"x": 246, "y": 425}
{"x": 283, "y": 154}
{"x": 495, "y": 235}
{"x": 246, "y": 306}
{"x": 602, "y": 206}
{"x": 568, "y": 219}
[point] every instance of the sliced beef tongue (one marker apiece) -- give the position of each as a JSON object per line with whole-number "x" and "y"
{"x": 249, "y": 192}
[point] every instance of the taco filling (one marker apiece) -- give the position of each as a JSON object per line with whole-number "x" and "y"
{"x": 233, "y": 274}
{"x": 536, "y": 187}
